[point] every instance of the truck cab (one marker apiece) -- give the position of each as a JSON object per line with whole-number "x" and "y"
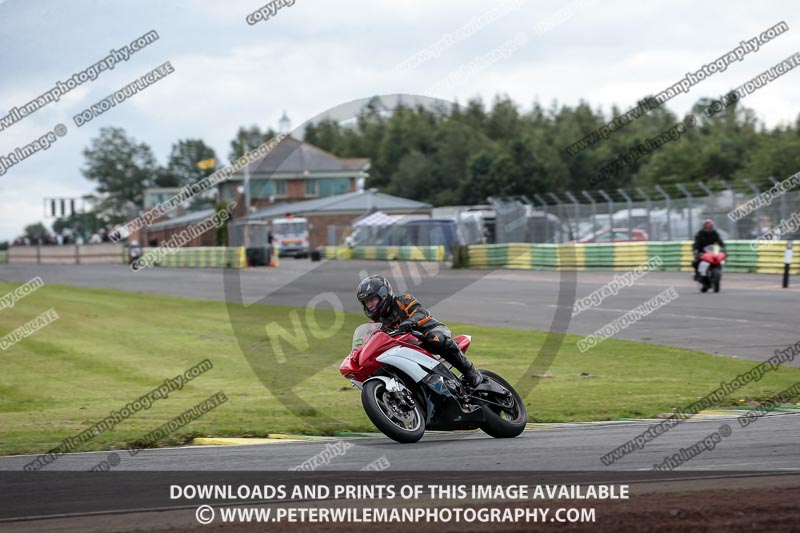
{"x": 290, "y": 235}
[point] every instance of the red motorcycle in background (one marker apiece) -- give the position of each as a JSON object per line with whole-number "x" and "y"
{"x": 406, "y": 390}
{"x": 709, "y": 269}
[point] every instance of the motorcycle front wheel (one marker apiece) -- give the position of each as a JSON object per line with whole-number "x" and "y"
{"x": 716, "y": 277}
{"x": 395, "y": 418}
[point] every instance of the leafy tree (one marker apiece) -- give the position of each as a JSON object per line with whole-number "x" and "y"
{"x": 183, "y": 159}
{"x": 248, "y": 139}
{"x": 37, "y": 231}
{"x": 122, "y": 168}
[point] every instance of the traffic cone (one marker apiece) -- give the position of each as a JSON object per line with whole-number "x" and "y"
{"x": 273, "y": 257}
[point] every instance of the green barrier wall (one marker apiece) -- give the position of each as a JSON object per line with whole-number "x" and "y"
{"x": 386, "y": 253}
{"x": 675, "y": 255}
{"x": 201, "y": 257}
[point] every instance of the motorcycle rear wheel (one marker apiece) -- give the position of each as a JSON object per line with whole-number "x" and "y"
{"x": 388, "y": 419}
{"x": 504, "y": 423}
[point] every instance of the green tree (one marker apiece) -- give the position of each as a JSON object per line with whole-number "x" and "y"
{"x": 122, "y": 168}
{"x": 36, "y": 231}
{"x": 248, "y": 139}
{"x": 183, "y": 159}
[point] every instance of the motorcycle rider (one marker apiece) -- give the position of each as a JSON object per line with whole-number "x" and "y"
{"x": 405, "y": 313}
{"x": 705, "y": 237}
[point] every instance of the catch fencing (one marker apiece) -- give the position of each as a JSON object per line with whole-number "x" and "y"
{"x": 671, "y": 213}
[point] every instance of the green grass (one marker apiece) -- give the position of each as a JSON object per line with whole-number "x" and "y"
{"x": 110, "y": 347}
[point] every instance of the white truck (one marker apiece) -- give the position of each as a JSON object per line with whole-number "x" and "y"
{"x": 290, "y": 235}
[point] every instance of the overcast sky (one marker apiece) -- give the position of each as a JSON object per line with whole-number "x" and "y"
{"x": 316, "y": 55}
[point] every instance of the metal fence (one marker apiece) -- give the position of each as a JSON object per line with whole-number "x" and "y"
{"x": 638, "y": 215}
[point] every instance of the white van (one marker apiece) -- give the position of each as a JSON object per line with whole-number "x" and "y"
{"x": 291, "y": 236}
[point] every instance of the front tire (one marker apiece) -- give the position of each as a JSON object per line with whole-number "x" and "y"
{"x": 716, "y": 278}
{"x": 395, "y": 421}
{"x": 504, "y": 423}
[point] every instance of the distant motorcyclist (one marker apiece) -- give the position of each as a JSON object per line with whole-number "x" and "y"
{"x": 405, "y": 313}
{"x": 705, "y": 237}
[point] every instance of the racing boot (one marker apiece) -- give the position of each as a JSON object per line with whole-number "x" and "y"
{"x": 453, "y": 355}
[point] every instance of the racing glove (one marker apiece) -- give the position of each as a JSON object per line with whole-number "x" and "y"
{"x": 407, "y": 326}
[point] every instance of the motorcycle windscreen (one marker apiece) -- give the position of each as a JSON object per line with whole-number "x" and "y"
{"x": 362, "y": 333}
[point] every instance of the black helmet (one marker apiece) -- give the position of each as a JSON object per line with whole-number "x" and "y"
{"x": 375, "y": 286}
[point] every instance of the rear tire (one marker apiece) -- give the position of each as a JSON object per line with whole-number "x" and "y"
{"x": 401, "y": 427}
{"x": 501, "y": 423}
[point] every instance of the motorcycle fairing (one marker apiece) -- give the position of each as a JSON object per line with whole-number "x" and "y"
{"x": 413, "y": 363}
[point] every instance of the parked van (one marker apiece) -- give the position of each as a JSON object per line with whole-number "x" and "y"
{"x": 290, "y": 235}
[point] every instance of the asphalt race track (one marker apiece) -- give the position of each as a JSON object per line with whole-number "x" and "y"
{"x": 771, "y": 443}
{"x": 750, "y": 318}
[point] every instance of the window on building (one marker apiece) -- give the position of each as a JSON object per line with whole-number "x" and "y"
{"x": 265, "y": 188}
{"x": 312, "y": 187}
{"x": 329, "y": 187}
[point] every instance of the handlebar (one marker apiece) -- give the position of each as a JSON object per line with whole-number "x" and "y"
{"x": 413, "y": 332}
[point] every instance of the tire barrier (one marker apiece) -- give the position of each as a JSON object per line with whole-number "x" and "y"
{"x": 385, "y": 253}
{"x": 675, "y": 255}
{"x": 200, "y": 257}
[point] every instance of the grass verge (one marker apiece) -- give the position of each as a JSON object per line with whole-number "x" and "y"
{"x": 110, "y": 347}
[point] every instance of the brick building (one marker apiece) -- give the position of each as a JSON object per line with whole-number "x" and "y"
{"x": 330, "y": 215}
{"x": 293, "y": 171}
{"x": 294, "y": 178}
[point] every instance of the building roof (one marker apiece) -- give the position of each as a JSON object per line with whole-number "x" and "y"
{"x": 183, "y": 220}
{"x": 352, "y": 202}
{"x": 293, "y": 156}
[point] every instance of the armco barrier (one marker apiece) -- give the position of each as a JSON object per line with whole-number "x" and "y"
{"x": 676, "y": 255}
{"x": 386, "y": 253}
{"x": 3, "y": 256}
{"x": 201, "y": 257}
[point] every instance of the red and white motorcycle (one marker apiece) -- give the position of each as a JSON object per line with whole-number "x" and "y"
{"x": 406, "y": 389}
